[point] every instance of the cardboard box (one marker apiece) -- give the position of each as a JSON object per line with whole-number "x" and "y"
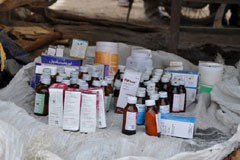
{"x": 129, "y": 87}
{"x": 60, "y": 51}
{"x": 51, "y": 50}
{"x": 102, "y": 69}
{"x": 55, "y": 107}
{"x": 191, "y": 83}
{"x": 79, "y": 48}
{"x": 177, "y": 125}
{"x": 71, "y": 113}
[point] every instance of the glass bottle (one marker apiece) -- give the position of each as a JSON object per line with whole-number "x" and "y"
{"x": 130, "y": 116}
{"x": 155, "y": 97}
{"x": 152, "y": 119}
{"x": 163, "y": 104}
{"x": 83, "y": 70}
{"x": 183, "y": 94}
{"x": 60, "y": 70}
{"x": 42, "y": 97}
{"x": 73, "y": 83}
{"x": 140, "y": 106}
{"x": 107, "y": 95}
{"x": 95, "y": 76}
{"x": 87, "y": 78}
{"x": 174, "y": 97}
{"x": 164, "y": 85}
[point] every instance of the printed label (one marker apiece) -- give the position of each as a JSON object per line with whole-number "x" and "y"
{"x": 182, "y": 101}
{"x": 131, "y": 121}
{"x": 141, "y": 113}
{"x": 157, "y": 116}
{"x": 39, "y": 103}
{"x": 176, "y": 103}
{"x": 79, "y": 48}
{"x": 164, "y": 109}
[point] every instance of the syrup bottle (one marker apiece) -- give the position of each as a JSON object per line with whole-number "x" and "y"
{"x": 83, "y": 70}
{"x": 163, "y": 104}
{"x": 130, "y": 117}
{"x": 95, "y": 76}
{"x": 174, "y": 97}
{"x": 183, "y": 94}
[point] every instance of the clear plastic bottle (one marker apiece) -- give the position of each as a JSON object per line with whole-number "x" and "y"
{"x": 174, "y": 97}
{"x": 152, "y": 119}
{"x": 163, "y": 104}
{"x": 141, "y": 107}
{"x": 42, "y": 97}
{"x": 83, "y": 70}
{"x": 130, "y": 116}
{"x": 183, "y": 94}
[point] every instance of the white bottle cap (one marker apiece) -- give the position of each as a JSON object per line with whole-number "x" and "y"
{"x": 154, "y": 80}
{"x": 47, "y": 71}
{"x": 131, "y": 100}
{"x": 84, "y": 86}
{"x": 80, "y": 81}
{"x": 182, "y": 83}
{"x": 168, "y": 74}
{"x": 154, "y": 97}
{"x": 158, "y": 70}
{"x": 109, "y": 78}
{"x": 150, "y": 102}
{"x": 74, "y": 74}
{"x": 164, "y": 79}
{"x": 141, "y": 93}
{"x": 63, "y": 75}
{"x": 84, "y": 69}
{"x": 150, "y": 92}
{"x": 45, "y": 76}
{"x": 67, "y": 82}
{"x": 86, "y": 77}
{"x": 95, "y": 74}
{"x": 121, "y": 68}
{"x": 151, "y": 85}
{"x": 174, "y": 83}
{"x": 60, "y": 70}
{"x": 45, "y": 80}
{"x": 59, "y": 79}
{"x": 157, "y": 77}
{"x": 104, "y": 83}
{"x": 141, "y": 89}
{"x": 74, "y": 81}
{"x": 96, "y": 83}
{"x": 163, "y": 94}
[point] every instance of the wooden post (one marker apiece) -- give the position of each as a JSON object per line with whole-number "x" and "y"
{"x": 174, "y": 26}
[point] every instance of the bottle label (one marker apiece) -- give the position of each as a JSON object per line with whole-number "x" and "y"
{"x": 131, "y": 121}
{"x": 39, "y": 103}
{"x": 164, "y": 109}
{"x": 176, "y": 103}
{"x": 182, "y": 101}
{"x": 157, "y": 117}
{"x": 141, "y": 111}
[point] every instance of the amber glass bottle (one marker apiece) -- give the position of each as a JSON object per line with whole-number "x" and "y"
{"x": 95, "y": 77}
{"x": 42, "y": 97}
{"x": 130, "y": 116}
{"x": 107, "y": 95}
{"x": 174, "y": 97}
{"x": 118, "y": 74}
{"x": 183, "y": 96}
{"x": 87, "y": 78}
{"x": 60, "y": 70}
{"x": 163, "y": 104}
{"x": 83, "y": 70}
{"x": 152, "y": 119}
{"x": 164, "y": 85}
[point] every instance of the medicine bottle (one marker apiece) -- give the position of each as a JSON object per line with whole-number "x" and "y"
{"x": 42, "y": 97}
{"x": 87, "y": 78}
{"x": 164, "y": 85}
{"x": 74, "y": 74}
{"x": 183, "y": 95}
{"x": 174, "y": 97}
{"x": 60, "y": 70}
{"x": 141, "y": 107}
{"x": 95, "y": 76}
{"x": 107, "y": 95}
{"x": 48, "y": 71}
{"x": 84, "y": 86}
{"x": 163, "y": 104}
{"x": 42, "y": 76}
{"x": 64, "y": 75}
{"x": 118, "y": 74}
{"x": 59, "y": 79}
{"x": 116, "y": 92}
{"x": 73, "y": 83}
{"x": 96, "y": 83}
{"x": 67, "y": 82}
{"x": 83, "y": 70}
{"x": 152, "y": 119}
{"x": 155, "y": 97}
{"x": 141, "y": 84}
{"x": 130, "y": 116}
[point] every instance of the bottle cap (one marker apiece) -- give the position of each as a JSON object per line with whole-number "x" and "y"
{"x": 164, "y": 79}
{"x": 146, "y": 77}
{"x": 86, "y": 77}
{"x": 157, "y": 77}
{"x": 74, "y": 81}
{"x": 59, "y": 79}
{"x": 174, "y": 83}
{"x": 141, "y": 93}
{"x": 151, "y": 85}
{"x": 131, "y": 100}
{"x": 182, "y": 83}
{"x": 84, "y": 86}
{"x": 154, "y": 97}
{"x": 141, "y": 89}
{"x": 84, "y": 69}
{"x": 109, "y": 82}
{"x": 104, "y": 83}
{"x": 158, "y": 74}
{"x": 121, "y": 68}
{"x": 95, "y": 74}
{"x": 63, "y": 75}
{"x": 46, "y": 71}
{"x": 60, "y": 70}
{"x": 45, "y": 76}
{"x": 80, "y": 81}
{"x": 163, "y": 94}
{"x": 96, "y": 83}
{"x": 150, "y": 102}
{"x": 146, "y": 83}
{"x": 45, "y": 80}
{"x": 154, "y": 80}
{"x": 109, "y": 78}
{"x": 150, "y": 92}
{"x": 67, "y": 82}
{"x": 74, "y": 74}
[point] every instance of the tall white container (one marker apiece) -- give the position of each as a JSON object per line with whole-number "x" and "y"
{"x": 139, "y": 60}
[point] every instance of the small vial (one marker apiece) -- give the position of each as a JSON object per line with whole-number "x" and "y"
{"x": 163, "y": 104}
{"x": 73, "y": 83}
{"x": 42, "y": 97}
{"x": 130, "y": 116}
{"x": 83, "y": 70}
{"x": 66, "y": 81}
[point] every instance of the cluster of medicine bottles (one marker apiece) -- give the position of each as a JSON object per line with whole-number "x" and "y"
{"x": 79, "y": 80}
{"x": 158, "y": 93}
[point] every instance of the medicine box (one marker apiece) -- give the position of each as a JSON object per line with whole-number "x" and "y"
{"x": 191, "y": 82}
{"x": 62, "y": 61}
{"x": 79, "y": 48}
{"x": 177, "y": 125}
{"x": 56, "y": 103}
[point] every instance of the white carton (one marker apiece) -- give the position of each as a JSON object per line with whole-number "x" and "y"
{"x": 71, "y": 113}
{"x": 60, "y": 51}
{"x": 88, "y": 113}
{"x": 129, "y": 87}
{"x": 79, "y": 48}
{"x": 51, "y": 50}
{"x": 55, "y": 107}
{"x": 177, "y": 125}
